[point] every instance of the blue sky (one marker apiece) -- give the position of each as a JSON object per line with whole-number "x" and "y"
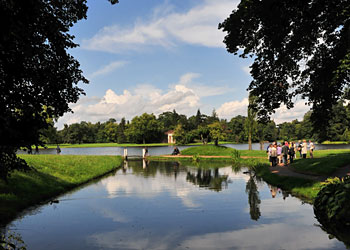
{"x": 155, "y": 56}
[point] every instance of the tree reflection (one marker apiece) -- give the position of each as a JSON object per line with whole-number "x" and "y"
{"x": 208, "y": 178}
{"x": 253, "y": 198}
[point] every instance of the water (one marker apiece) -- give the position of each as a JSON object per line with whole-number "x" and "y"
{"x": 165, "y": 205}
{"x": 163, "y": 150}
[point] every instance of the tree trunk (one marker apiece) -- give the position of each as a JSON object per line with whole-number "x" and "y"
{"x": 216, "y": 142}
{"x": 250, "y": 140}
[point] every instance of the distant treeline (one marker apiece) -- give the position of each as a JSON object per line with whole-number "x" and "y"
{"x": 148, "y": 128}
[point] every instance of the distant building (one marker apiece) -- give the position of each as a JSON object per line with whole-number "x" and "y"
{"x": 170, "y": 134}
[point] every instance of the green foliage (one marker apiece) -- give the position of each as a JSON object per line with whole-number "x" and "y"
{"x": 236, "y": 155}
{"x": 217, "y": 132}
{"x": 332, "y": 207}
{"x": 306, "y": 41}
{"x": 196, "y": 158}
{"x": 11, "y": 241}
{"x": 38, "y": 77}
{"x": 144, "y": 129}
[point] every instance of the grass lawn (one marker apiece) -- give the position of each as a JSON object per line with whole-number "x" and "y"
{"x": 210, "y": 150}
{"x": 335, "y": 142}
{"x": 51, "y": 175}
{"x": 325, "y": 162}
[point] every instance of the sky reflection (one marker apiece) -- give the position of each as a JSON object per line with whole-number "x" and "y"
{"x": 171, "y": 206}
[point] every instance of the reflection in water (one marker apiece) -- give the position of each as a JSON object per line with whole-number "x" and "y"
{"x": 253, "y": 198}
{"x": 163, "y": 206}
{"x": 208, "y": 178}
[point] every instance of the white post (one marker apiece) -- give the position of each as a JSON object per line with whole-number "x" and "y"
{"x": 143, "y": 153}
{"x": 125, "y": 153}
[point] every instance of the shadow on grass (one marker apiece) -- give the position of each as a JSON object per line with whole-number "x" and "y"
{"x": 324, "y": 165}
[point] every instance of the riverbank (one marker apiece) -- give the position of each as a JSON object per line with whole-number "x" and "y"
{"x": 302, "y": 178}
{"x": 50, "y": 176}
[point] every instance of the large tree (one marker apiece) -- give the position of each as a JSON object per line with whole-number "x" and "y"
{"x": 38, "y": 77}
{"x": 300, "y": 48}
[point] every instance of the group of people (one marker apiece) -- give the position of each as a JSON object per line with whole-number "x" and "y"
{"x": 282, "y": 154}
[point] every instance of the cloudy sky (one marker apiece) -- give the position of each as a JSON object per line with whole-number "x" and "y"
{"x": 158, "y": 55}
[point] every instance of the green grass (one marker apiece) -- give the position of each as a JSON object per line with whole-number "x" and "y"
{"x": 209, "y": 150}
{"x": 335, "y": 142}
{"x": 303, "y": 188}
{"x": 253, "y": 153}
{"x": 325, "y": 162}
{"x": 51, "y": 175}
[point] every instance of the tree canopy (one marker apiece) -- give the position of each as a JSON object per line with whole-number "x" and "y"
{"x": 38, "y": 78}
{"x": 301, "y": 48}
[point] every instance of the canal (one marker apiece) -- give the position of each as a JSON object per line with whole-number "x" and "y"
{"x": 167, "y": 205}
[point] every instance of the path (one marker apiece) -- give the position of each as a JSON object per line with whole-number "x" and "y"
{"x": 288, "y": 171}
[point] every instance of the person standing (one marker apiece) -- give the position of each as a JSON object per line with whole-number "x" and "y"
{"x": 285, "y": 151}
{"x": 58, "y": 149}
{"x": 279, "y": 153}
{"x": 304, "y": 149}
{"x": 273, "y": 156}
{"x": 291, "y": 152}
{"x": 312, "y": 147}
{"x": 299, "y": 149}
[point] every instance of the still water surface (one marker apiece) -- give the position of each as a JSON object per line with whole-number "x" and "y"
{"x": 165, "y": 205}
{"x": 163, "y": 150}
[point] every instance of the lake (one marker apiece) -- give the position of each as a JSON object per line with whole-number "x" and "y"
{"x": 167, "y": 205}
{"x": 162, "y": 150}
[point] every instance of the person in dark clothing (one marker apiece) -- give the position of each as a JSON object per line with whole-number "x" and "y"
{"x": 285, "y": 151}
{"x": 176, "y": 151}
{"x": 291, "y": 152}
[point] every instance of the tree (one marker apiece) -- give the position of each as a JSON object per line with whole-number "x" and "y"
{"x": 236, "y": 125}
{"x": 300, "y": 48}
{"x": 250, "y": 125}
{"x": 144, "y": 128}
{"x": 217, "y": 132}
{"x": 38, "y": 78}
{"x": 121, "y": 138}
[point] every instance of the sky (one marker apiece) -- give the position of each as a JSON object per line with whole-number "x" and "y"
{"x": 159, "y": 55}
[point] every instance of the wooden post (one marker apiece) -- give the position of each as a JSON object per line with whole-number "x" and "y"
{"x": 125, "y": 153}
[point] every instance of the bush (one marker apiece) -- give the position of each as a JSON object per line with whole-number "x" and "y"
{"x": 332, "y": 206}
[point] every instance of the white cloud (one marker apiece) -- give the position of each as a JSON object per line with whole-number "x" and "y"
{"x": 198, "y": 26}
{"x": 234, "y": 108}
{"x": 108, "y": 68}
{"x": 231, "y": 109}
{"x": 143, "y": 98}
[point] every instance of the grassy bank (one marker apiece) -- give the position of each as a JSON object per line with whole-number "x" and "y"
{"x": 335, "y": 142}
{"x": 325, "y": 162}
{"x": 208, "y": 150}
{"x": 304, "y": 188}
{"x": 50, "y": 176}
